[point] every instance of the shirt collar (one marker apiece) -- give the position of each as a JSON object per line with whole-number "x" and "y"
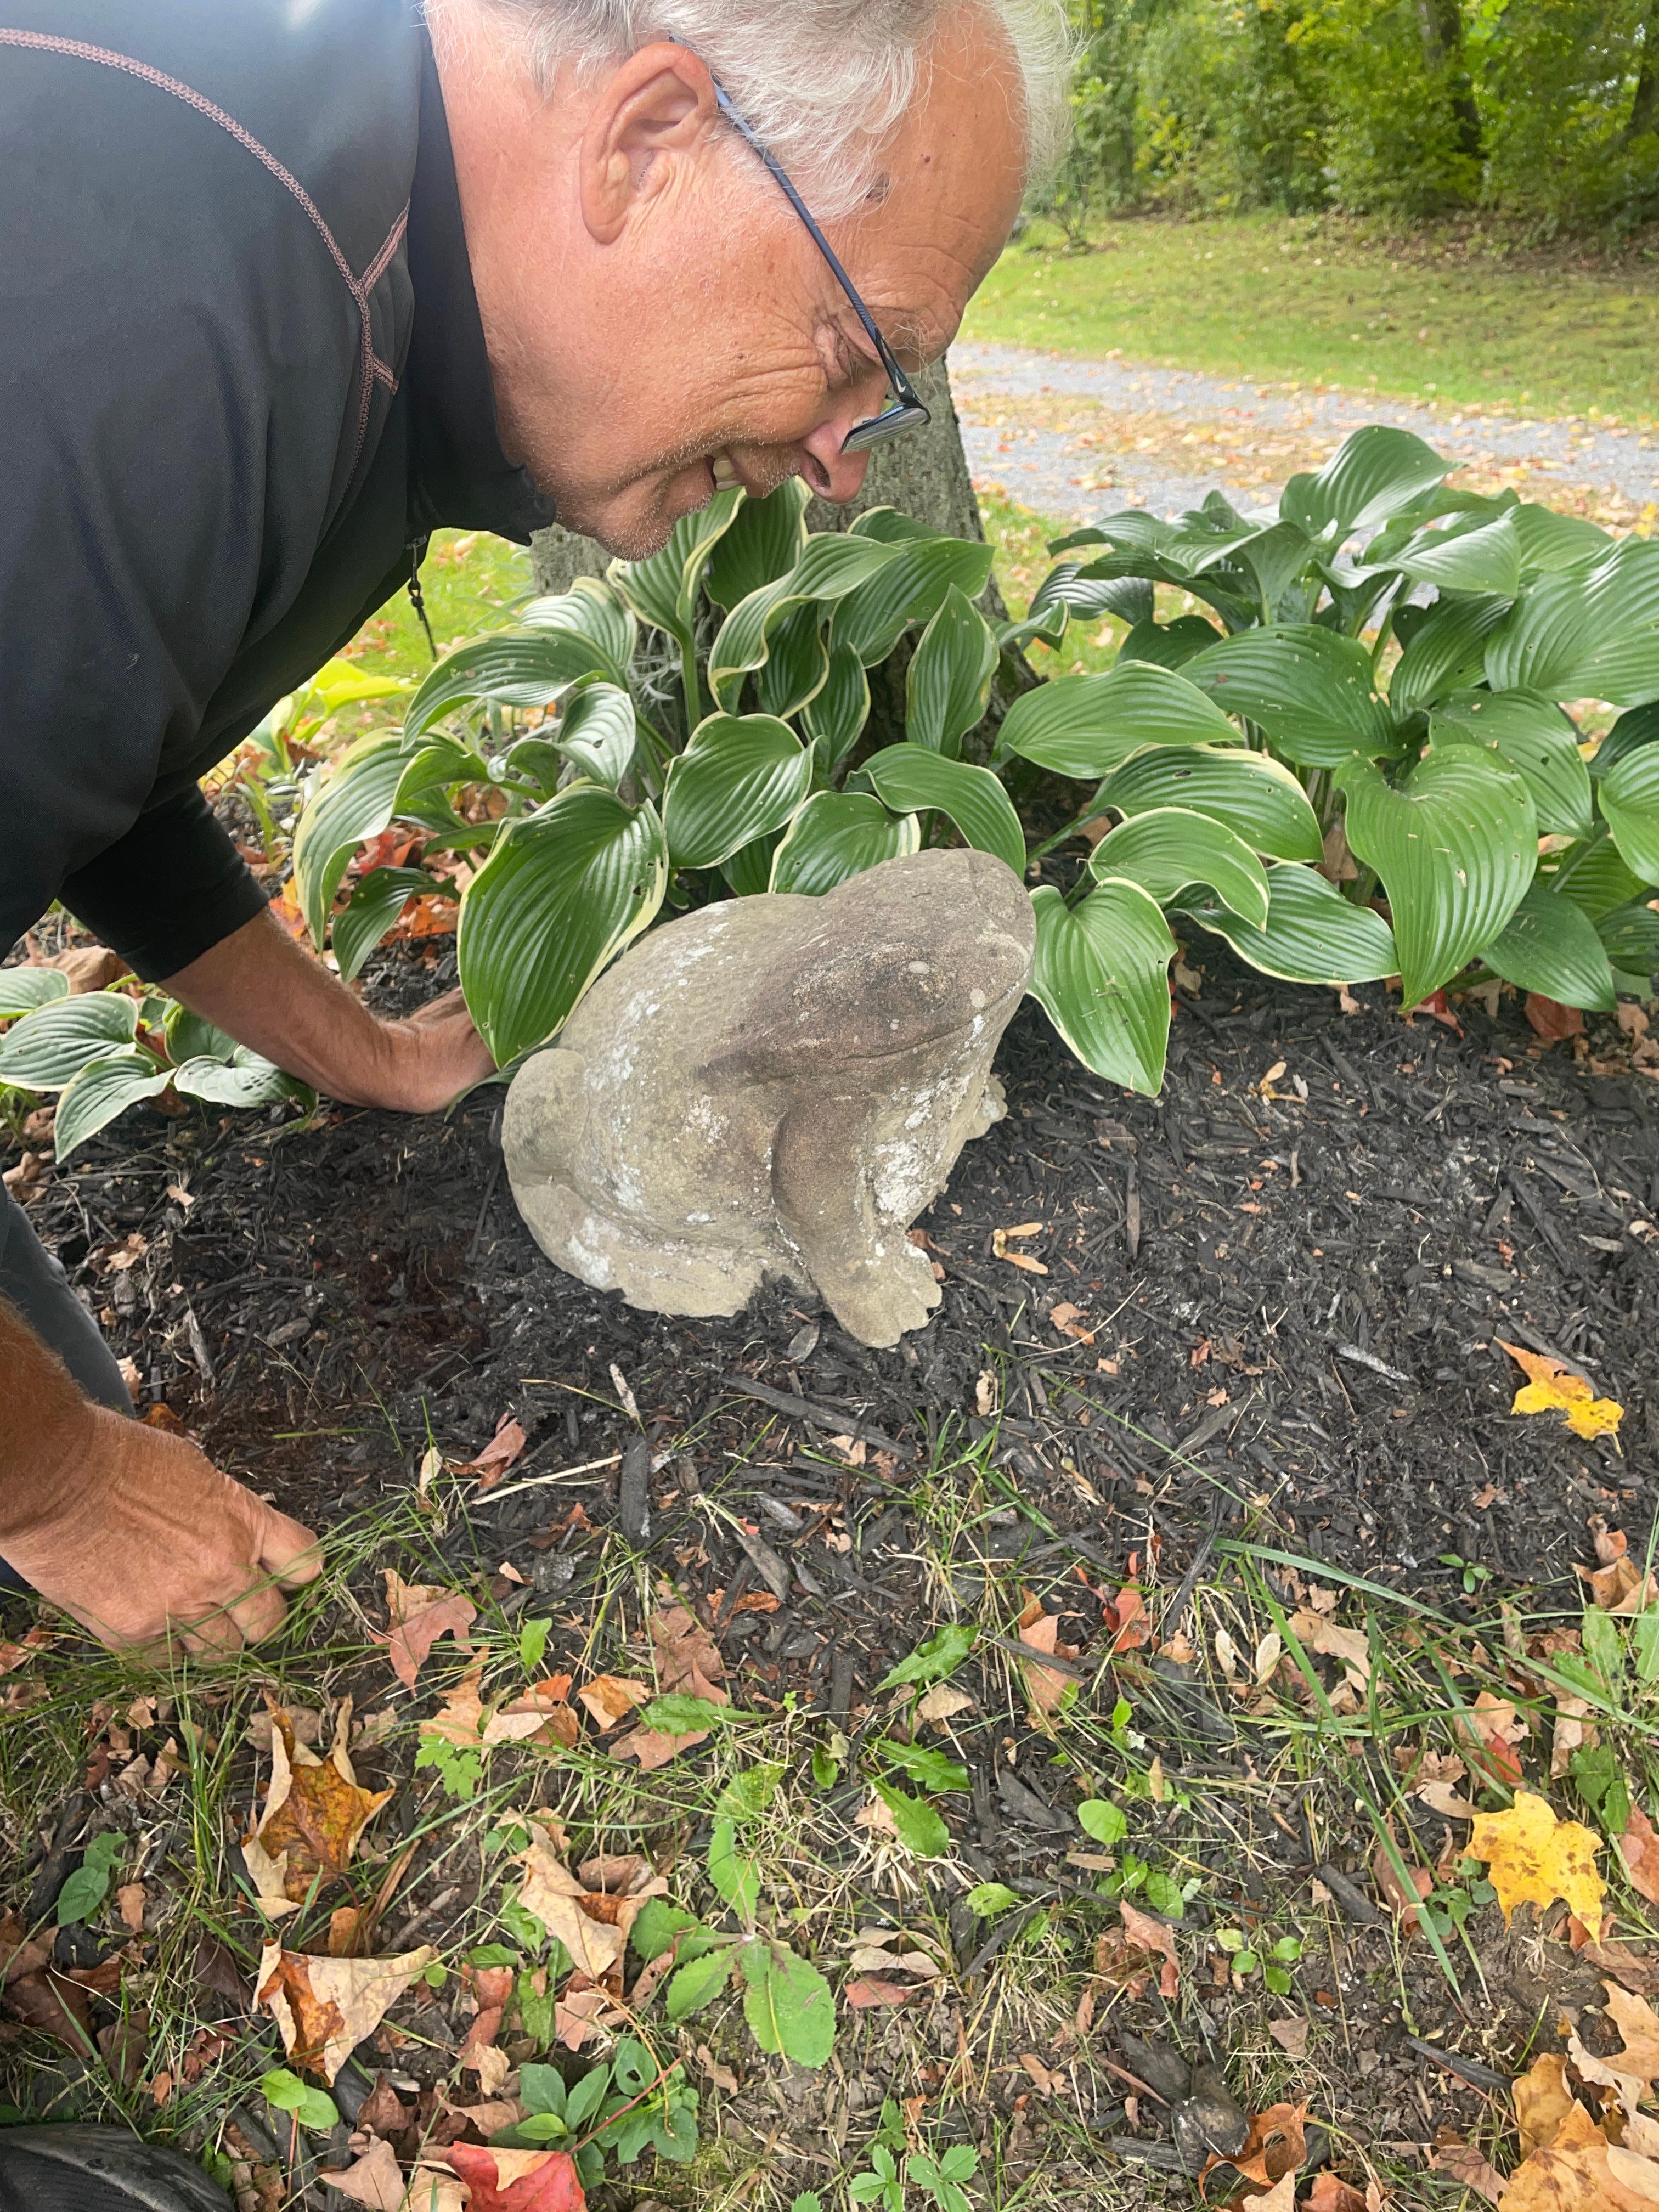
{"x": 460, "y": 477}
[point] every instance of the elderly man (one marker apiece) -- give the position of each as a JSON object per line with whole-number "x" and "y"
{"x": 289, "y": 286}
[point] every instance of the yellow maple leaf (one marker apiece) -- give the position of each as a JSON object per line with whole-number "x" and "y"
{"x": 1553, "y": 1389}
{"x": 1533, "y": 1858}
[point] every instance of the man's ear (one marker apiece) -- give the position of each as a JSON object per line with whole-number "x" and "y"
{"x": 656, "y": 109}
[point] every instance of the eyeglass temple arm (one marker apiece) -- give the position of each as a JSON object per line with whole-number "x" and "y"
{"x": 757, "y": 145}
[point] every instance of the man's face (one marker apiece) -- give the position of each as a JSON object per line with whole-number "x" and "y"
{"x": 660, "y": 320}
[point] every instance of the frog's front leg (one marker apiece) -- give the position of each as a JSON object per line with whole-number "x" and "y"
{"x": 873, "y": 1280}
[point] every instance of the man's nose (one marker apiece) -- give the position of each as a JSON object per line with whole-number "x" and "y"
{"x": 832, "y": 474}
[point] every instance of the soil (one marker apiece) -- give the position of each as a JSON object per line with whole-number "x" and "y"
{"x": 1265, "y": 1307}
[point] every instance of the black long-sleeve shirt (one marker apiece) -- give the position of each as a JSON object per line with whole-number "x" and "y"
{"x": 242, "y": 375}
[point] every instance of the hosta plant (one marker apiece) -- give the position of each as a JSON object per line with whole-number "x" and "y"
{"x": 1358, "y": 762}
{"x": 103, "y": 1051}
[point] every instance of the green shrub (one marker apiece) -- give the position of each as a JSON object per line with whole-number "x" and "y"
{"x": 1379, "y": 676}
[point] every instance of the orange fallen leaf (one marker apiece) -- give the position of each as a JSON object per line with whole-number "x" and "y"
{"x": 324, "y": 2008}
{"x": 609, "y": 1699}
{"x": 1549, "y": 1019}
{"x": 1069, "y": 1320}
{"x": 1639, "y": 1849}
{"x": 1154, "y": 1938}
{"x": 1332, "y": 2194}
{"x": 1553, "y": 1389}
{"x": 589, "y": 1918}
{"x": 872, "y": 1989}
{"x": 1273, "y": 2150}
{"x": 313, "y": 1820}
{"x": 688, "y": 1659}
{"x": 1542, "y": 2101}
{"x": 1402, "y": 1902}
{"x": 418, "y": 1614}
{"x": 464, "y": 1720}
{"x": 1615, "y": 1581}
{"x": 1579, "y": 2170}
{"x": 1633, "y": 1970}
{"x": 1130, "y": 1626}
{"x": 1281, "y": 2197}
{"x": 1046, "y": 1687}
{"x": 498, "y": 1454}
{"x": 1533, "y": 1857}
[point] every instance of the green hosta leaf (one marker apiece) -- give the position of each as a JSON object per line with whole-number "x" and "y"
{"x": 836, "y": 835}
{"x": 1485, "y": 559}
{"x": 343, "y": 684}
{"x": 353, "y": 801}
{"x": 49, "y": 1048}
{"x": 1087, "y": 726}
{"x": 1101, "y": 974}
{"x": 928, "y": 1769}
{"x": 513, "y": 668}
{"x": 915, "y": 1822}
{"x": 663, "y": 590}
{"x": 1551, "y": 947}
{"x": 1630, "y": 936}
{"x": 735, "y": 1873}
{"x": 23, "y": 989}
{"x": 1455, "y": 845}
{"x": 748, "y": 873}
{"x": 789, "y": 2006}
{"x": 949, "y": 680}
{"x": 590, "y": 608}
{"x": 835, "y": 719}
{"x": 1276, "y": 559}
{"x": 562, "y": 891}
{"x": 104, "y": 1088}
{"x": 190, "y": 1036}
{"x": 698, "y": 1983}
{"x": 1445, "y": 652}
{"x": 933, "y": 1658}
{"x": 740, "y": 777}
{"x": 1170, "y": 846}
{"x": 764, "y": 542}
{"x": 1629, "y": 793}
{"x": 1254, "y": 795}
{"x": 1537, "y": 740}
{"x": 797, "y": 663}
{"x": 1048, "y": 628}
{"x": 249, "y": 1080}
{"x": 885, "y": 525}
{"x": 1551, "y": 541}
{"x": 1128, "y": 598}
{"x": 831, "y": 567}
{"x": 1591, "y": 632}
{"x": 1106, "y": 1822}
{"x": 434, "y": 770}
{"x": 1309, "y": 689}
{"x": 1593, "y": 877}
{"x": 374, "y": 906}
{"x": 906, "y": 777}
{"x": 911, "y": 588}
{"x": 1375, "y": 473}
{"x": 1639, "y": 727}
{"x": 598, "y": 730}
{"x": 1314, "y": 935}
{"x": 1169, "y": 644}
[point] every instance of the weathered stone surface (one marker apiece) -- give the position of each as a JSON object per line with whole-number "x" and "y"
{"x": 777, "y": 1086}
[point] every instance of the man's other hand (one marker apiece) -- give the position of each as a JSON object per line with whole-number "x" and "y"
{"x": 157, "y": 1545}
{"x": 431, "y": 1057}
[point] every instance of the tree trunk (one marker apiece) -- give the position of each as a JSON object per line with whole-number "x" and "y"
{"x": 924, "y": 474}
{"x": 1442, "y": 26}
{"x": 1644, "y": 107}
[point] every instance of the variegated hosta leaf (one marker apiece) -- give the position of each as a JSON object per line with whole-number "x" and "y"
{"x": 1309, "y": 688}
{"x": 247, "y": 1079}
{"x": 1254, "y": 795}
{"x": 766, "y": 539}
{"x": 527, "y": 667}
{"x": 353, "y": 801}
{"x": 562, "y": 891}
{"x": 1087, "y": 726}
{"x": 49, "y": 1048}
{"x": 662, "y": 590}
{"x": 598, "y": 730}
{"x": 1170, "y": 846}
{"x": 837, "y": 835}
{"x": 374, "y": 906}
{"x": 104, "y": 1087}
{"x": 949, "y": 679}
{"x": 1168, "y": 645}
{"x": 908, "y": 778}
{"x": 831, "y": 568}
{"x": 592, "y": 610}
{"x": 1312, "y": 933}
{"x": 911, "y": 589}
{"x": 23, "y": 989}
{"x": 740, "y": 777}
{"x": 1456, "y": 845}
{"x": 835, "y": 719}
{"x": 1101, "y": 975}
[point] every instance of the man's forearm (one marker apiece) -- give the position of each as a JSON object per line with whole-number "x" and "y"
{"x": 261, "y": 989}
{"x": 45, "y": 1428}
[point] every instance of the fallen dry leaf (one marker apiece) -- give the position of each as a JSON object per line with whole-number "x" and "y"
{"x": 1571, "y": 2173}
{"x": 1639, "y": 1849}
{"x": 688, "y": 1660}
{"x": 1154, "y": 1938}
{"x": 375, "y": 2179}
{"x": 1044, "y": 2080}
{"x": 1069, "y": 1321}
{"x": 1332, "y": 2194}
{"x": 1317, "y": 1633}
{"x": 517, "y": 2180}
{"x": 418, "y": 1613}
{"x": 592, "y": 1922}
{"x": 1000, "y": 1247}
{"x": 1047, "y": 1688}
{"x": 433, "y": 2190}
{"x": 1281, "y": 2197}
{"x": 1403, "y": 1903}
{"x": 1464, "y": 2164}
{"x": 1291, "y": 2036}
{"x": 1633, "y": 1970}
{"x": 463, "y": 1719}
{"x": 609, "y": 1699}
{"x": 324, "y": 2008}
{"x": 506, "y": 1446}
{"x": 313, "y": 1820}
{"x": 1533, "y": 1857}
{"x": 942, "y": 1704}
{"x": 1553, "y": 1389}
{"x": 1615, "y": 1581}
{"x": 871, "y": 1990}
{"x": 130, "y": 1900}
{"x": 1542, "y": 2101}
{"x": 1274, "y": 2151}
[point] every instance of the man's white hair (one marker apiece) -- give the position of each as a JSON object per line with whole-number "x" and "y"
{"x": 825, "y": 82}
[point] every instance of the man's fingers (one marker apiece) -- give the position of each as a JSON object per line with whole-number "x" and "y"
{"x": 258, "y": 1614}
{"x": 289, "y": 1550}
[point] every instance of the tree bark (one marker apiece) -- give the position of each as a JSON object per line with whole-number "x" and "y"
{"x": 1442, "y": 26}
{"x": 1644, "y": 107}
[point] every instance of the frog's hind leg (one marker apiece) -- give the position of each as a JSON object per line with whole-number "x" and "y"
{"x": 662, "y": 1274}
{"x": 868, "y": 1271}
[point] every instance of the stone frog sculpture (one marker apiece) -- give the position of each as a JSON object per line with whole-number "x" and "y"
{"x": 777, "y": 1086}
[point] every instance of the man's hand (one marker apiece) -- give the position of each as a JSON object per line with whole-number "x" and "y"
{"x": 259, "y": 987}
{"x": 155, "y": 1545}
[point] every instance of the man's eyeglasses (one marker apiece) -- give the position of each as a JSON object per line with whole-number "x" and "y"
{"x": 907, "y": 411}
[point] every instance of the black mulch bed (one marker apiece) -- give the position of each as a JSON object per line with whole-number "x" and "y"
{"x": 1298, "y": 1299}
{"x": 1294, "y": 1282}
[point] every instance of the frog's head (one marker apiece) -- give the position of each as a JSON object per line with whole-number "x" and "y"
{"x": 917, "y": 949}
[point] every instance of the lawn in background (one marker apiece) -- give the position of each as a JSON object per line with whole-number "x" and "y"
{"x": 1289, "y": 300}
